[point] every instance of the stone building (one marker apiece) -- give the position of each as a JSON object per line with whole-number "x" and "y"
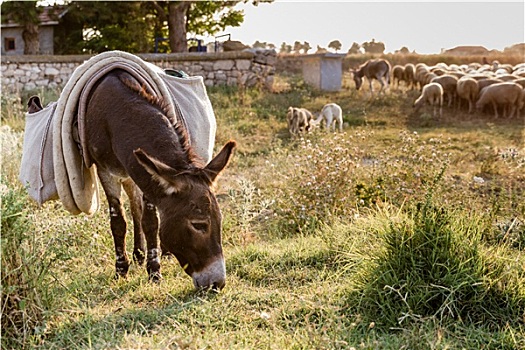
{"x": 11, "y": 34}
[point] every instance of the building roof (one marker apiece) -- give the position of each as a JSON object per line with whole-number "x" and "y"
{"x": 467, "y": 50}
{"x": 48, "y": 17}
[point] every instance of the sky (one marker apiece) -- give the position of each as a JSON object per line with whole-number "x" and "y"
{"x": 426, "y": 27}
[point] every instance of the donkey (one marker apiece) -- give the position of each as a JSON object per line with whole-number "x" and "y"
{"x": 136, "y": 144}
{"x": 378, "y": 69}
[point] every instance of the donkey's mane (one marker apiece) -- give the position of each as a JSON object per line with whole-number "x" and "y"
{"x": 163, "y": 105}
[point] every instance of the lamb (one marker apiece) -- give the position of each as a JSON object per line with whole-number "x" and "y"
{"x": 467, "y": 89}
{"x": 449, "y": 84}
{"x": 504, "y": 94}
{"x": 299, "y": 120}
{"x": 432, "y": 94}
{"x": 332, "y": 114}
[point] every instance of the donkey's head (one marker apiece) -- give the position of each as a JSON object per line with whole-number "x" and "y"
{"x": 357, "y": 79}
{"x": 190, "y": 219}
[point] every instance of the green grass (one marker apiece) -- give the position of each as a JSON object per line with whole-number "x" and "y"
{"x": 376, "y": 238}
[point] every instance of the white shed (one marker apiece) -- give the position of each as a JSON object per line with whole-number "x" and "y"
{"x": 323, "y": 71}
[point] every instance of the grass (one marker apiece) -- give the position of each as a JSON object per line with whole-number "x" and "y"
{"x": 376, "y": 238}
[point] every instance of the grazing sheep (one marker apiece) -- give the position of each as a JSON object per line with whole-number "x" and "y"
{"x": 520, "y": 81}
{"x": 410, "y": 75}
{"x": 467, "y": 89}
{"x": 449, "y": 84}
{"x": 433, "y": 95}
{"x": 483, "y": 83}
{"x": 332, "y": 114}
{"x": 299, "y": 120}
{"x": 398, "y": 73}
{"x": 378, "y": 69}
{"x": 506, "y": 95}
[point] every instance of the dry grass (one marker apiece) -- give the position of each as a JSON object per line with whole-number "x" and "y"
{"x": 301, "y": 278}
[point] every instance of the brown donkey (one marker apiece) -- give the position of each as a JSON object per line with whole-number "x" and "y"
{"x": 135, "y": 144}
{"x": 378, "y": 69}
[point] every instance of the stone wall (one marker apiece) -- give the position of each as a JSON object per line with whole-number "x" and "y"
{"x": 237, "y": 68}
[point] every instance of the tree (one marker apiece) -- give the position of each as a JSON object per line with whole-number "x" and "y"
{"x": 355, "y": 48}
{"x": 137, "y": 26}
{"x": 26, "y": 14}
{"x": 335, "y": 44}
{"x": 373, "y": 47}
{"x": 306, "y": 47}
{"x": 198, "y": 18}
{"x": 297, "y": 46}
{"x": 103, "y": 26}
{"x": 285, "y": 48}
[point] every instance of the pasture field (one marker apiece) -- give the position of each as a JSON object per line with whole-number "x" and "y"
{"x": 403, "y": 232}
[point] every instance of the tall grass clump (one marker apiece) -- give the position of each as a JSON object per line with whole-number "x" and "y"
{"x": 433, "y": 265}
{"x": 24, "y": 272}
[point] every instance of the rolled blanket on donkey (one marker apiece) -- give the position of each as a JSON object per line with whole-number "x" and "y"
{"x": 53, "y": 163}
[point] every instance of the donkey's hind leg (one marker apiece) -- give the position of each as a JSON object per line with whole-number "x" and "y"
{"x": 113, "y": 188}
{"x": 135, "y": 200}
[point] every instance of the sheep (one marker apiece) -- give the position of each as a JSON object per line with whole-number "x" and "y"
{"x": 410, "y": 75}
{"x": 486, "y": 82}
{"x": 504, "y": 94}
{"x": 520, "y": 81}
{"x": 467, "y": 88}
{"x": 433, "y": 95}
{"x": 299, "y": 120}
{"x": 449, "y": 84}
{"x": 332, "y": 114}
{"x": 398, "y": 73}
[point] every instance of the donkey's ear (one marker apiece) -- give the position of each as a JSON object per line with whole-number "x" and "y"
{"x": 34, "y": 105}
{"x": 217, "y": 164}
{"x": 162, "y": 173}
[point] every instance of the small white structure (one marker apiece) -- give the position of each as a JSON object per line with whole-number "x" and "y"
{"x": 323, "y": 70}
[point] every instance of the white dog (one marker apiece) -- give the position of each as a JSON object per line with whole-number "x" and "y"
{"x": 332, "y": 114}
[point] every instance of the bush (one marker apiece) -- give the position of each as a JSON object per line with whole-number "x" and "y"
{"x": 434, "y": 265}
{"x": 24, "y": 272}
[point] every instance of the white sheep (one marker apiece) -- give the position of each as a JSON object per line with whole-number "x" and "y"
{"x": 467, "y": 89}
{"x": 332, "y": 114}
{"x": 506, "y": 95}
{"x": 410, "y": 75}
{"x": 432, "y": 94}
{"x": 398, "y": 75}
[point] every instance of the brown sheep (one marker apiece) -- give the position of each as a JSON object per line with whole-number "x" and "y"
{"x": 467, "y": 89}
{"x": 449, "y": 84}
{"x": 486, "y": 82}
{"x": 508, "y": 95}
{"x": 433, "y": 95}
{"x": 299, "y": 120}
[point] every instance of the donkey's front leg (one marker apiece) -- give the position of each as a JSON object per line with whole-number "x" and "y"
{"x": 150, "y": 225}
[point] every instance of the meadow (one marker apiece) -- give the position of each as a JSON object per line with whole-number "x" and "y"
{"x": 403, "y": 232}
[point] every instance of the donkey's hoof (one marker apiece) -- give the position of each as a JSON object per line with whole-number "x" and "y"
{"x": 155, "y": 277}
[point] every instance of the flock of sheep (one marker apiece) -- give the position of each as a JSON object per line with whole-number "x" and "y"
{"x": 497, "y": 87}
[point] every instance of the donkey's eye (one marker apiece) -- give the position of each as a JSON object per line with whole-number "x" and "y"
{"x": 201, "y": 226}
